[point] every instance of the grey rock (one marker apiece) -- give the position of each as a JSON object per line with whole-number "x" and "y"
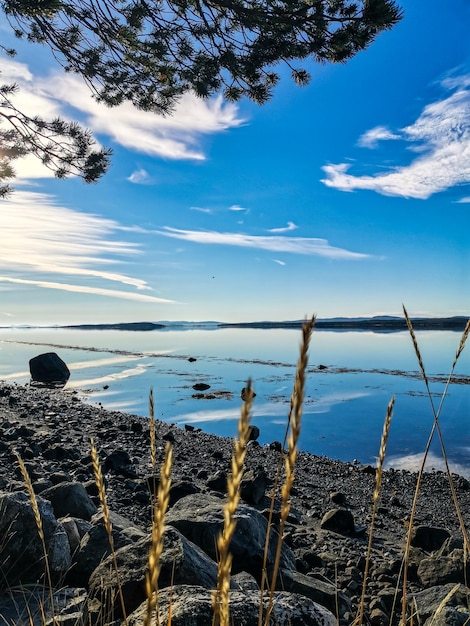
{"x": 424, "y": 604}
{"x": 22, "y": 552}
{"x": 243, "y": 582}
{"x": 320, "y": 591}
{"x": 192, "y": 606}
{"x": 94, "y": 546}
{"x": 181, "y": 562}
{"x": 253, "y": 486}
{"x": 200, "y": 519}
{"x": 439, "y": 570}
{"x": 70, "y": 499}
{"x": 59, "y": 554}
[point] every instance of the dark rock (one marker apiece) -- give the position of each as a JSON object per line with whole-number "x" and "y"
{"x": 94, "y": 546}
{"x": 317, "y": 590}
{"x": 181, "y": 489}
{"x": 218, "y": 482}
{"x": 254, "y": 433}
{"x": 49, "y": 369}
{"x": 253, "y": 486}
{"x": 201, "y": 386}
{"x": 70, "y": 499}
{"x": 22, "y": 552}
{"x": 181, "y": 562}
{"x": 424, "y": 604}
{"x": 338, "y": 498}
{"x": 276, "y": 446}
{"x": 429, "y": 538}
{"x": 192, "y": 359}
{"x": 244, "y": 394}
{"x": 339, "y": 521}
{"x": 200, "y": 518}
{"x": 192, "y": 606}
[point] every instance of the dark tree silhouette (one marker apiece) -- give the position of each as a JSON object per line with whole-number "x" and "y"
{"x": 150, "y": 52}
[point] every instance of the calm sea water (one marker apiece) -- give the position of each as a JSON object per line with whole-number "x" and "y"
{"x": 346, "y": 401}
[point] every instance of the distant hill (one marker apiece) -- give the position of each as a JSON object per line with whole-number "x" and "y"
{"x": 386, "y": 323}
{"x": 118, "y": 326}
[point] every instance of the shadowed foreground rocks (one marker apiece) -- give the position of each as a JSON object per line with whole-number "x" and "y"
{"x": 325, "y": 540}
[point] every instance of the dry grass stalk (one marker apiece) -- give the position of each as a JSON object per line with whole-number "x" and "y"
{"x": 220, "y": 598}
{"x": 106, "y": 520}
{"x": 158, "y": 527}
{"x": 435, "y": 427}
{"x": 37, "y": 518}
{"x": 378, "y": 484}
{"x": 297, "y": 402}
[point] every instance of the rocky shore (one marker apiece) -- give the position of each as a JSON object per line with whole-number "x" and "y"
{"x": 324, "y": 547}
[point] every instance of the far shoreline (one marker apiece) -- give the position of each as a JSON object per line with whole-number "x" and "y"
{"x": 386, "y": 324}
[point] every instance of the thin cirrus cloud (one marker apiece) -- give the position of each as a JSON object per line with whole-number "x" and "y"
{"x": 441, "y": 138}
{"x": 290, "y": 226}
{"x": 176, "y": 136}
{"x": 43, "y": 241}
{"x": 294, "y": 245}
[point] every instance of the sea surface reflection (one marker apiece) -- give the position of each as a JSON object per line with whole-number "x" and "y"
{"x": 351, "y": 378}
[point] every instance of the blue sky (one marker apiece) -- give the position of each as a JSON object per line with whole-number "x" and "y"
{"x": 348, "y": 197}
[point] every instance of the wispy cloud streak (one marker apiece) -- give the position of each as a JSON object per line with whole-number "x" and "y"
{"x": 41, "y": 241}
{"x": 99, "y": 291}
{"x": 295, "y": 245}
{"x": 441, "y": 136}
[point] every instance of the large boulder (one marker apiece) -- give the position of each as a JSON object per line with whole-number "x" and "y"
{"x": 22, "y": 551}
{"x": 181, "y": 562}
{"x": 442, "y": 602}
{"x": 49, "y": 369}
{"x": 192, "y": 606}
{"x": 94, "y": 546}
{"x": 70, "y": 499}
{"x": 200, "y": 518}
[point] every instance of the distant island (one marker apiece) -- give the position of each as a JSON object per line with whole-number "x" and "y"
{"x": 377, "y": 324}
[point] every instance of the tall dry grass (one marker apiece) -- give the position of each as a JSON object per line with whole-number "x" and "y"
{"x": 287, "y": 462}
{"x": 107, "y": 521}
{"x": 220, "y": 600}
{"x": 158, "y": 527}
{"x": 436, "y": 412}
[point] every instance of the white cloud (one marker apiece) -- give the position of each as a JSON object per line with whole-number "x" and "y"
{"x": 175, "y": 136}
{"x": 112, "y": 293}
{"x": 41, "y": 238}
{"x": 371, "y": 138}
{"x": 441, "y": 135}
{"x": 200, "y": 209}
{"x": 278, "y": 262}
{"x": 140, "y": 177}
{"x": 294, "y": 245}
{"x": 237, "y": 208}
{"x": 290, "y": 226}
{"x": 465, "y": 200}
